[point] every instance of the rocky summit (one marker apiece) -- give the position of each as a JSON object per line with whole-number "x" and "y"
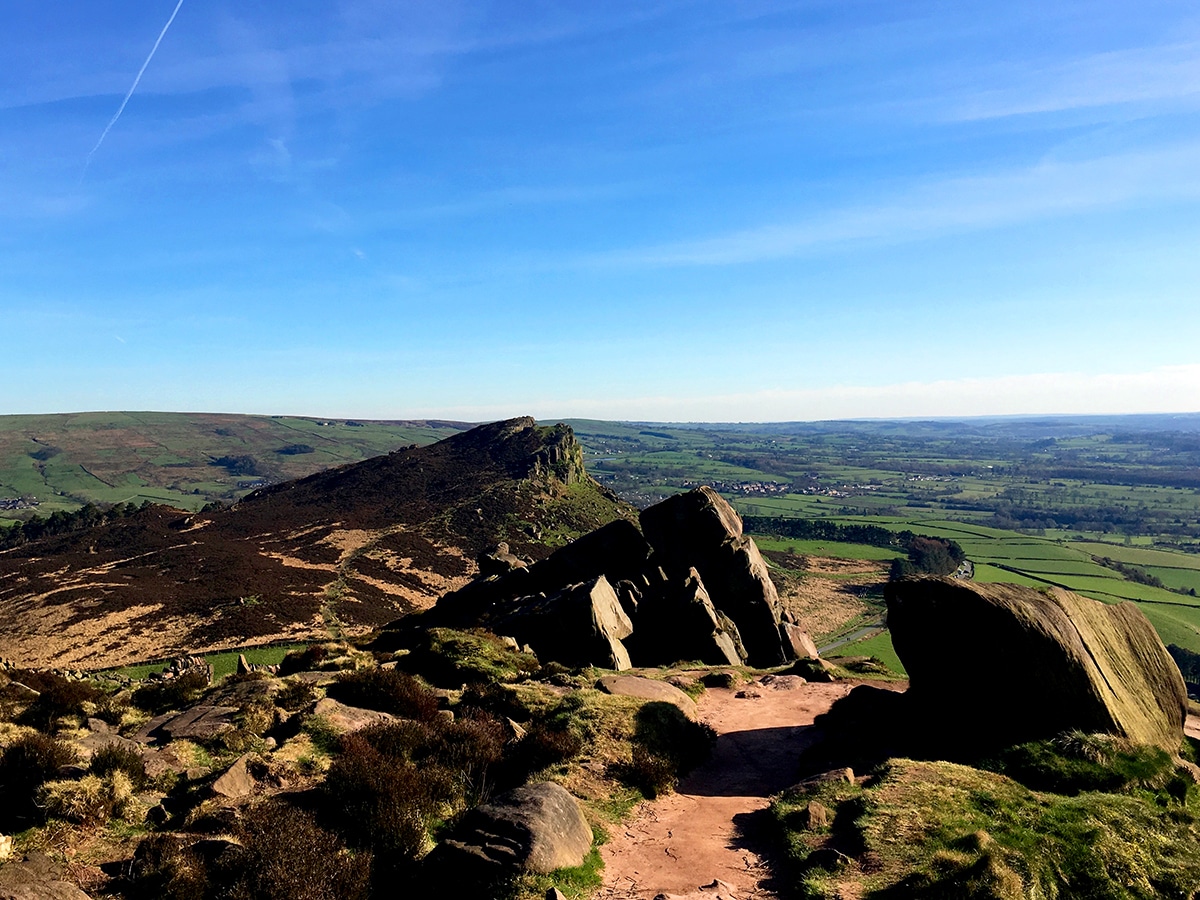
{"x": 346, "y": 549}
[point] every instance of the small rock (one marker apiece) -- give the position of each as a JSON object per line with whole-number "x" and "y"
{"x": 98, "y": 726}
{"x": 748, "y": 695}
{"x": 6, "y": 847}
{"x": 815, "y": 816}
{"x": 236, "y": 782}
{"x": 555, "y": 894}
{"x": 243, "y": 665}
{"x": 270, "y": 743}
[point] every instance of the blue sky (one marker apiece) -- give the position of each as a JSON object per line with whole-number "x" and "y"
{"x": 653, "y": 210}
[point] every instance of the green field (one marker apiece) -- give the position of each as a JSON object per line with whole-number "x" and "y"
{"x": 879, "y": 646}
{"x": 223, "y": 663}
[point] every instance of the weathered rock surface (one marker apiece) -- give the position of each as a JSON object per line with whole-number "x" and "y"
{"x": 36, "y": 877}
{"x": 236, "y": 781}
{"x": 700, "y": 530}
{"x": 647, "y": 689}
{"x": 1003, "y": 663}
{"x": 581, "y": 625}
{"x": 344, "y": 719}
{"x": 797, "y": 642}
{"x": 678, "y": 621}
{"x": 200, "y": 723}
{"x": 42, "y": 890}
{"x": 537, "y": 828}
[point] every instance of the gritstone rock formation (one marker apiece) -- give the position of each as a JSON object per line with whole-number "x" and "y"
{"x": 1012, "y": 663}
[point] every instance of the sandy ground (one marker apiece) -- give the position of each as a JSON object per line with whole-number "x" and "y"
{"x": 1191, "y": 727}
{"x": 711, "y": 828}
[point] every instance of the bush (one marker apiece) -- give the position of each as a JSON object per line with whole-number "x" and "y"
{"x": 166, "y": 868}
{"x": 385, "y": 802}
{"x": 25, "y": 765}
{"x": 666, "y": 745}
{"x": 295, "y": 695}
{"x": 386, "y": 690}
{"x": 160, "y": 696}
{"x": 58, "y": 697}
{"x": 115, "y": 758}
{"x": 288, "y": 856}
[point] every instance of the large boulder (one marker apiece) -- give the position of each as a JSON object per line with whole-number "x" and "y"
{"x": 700, "y": 530}
{"x": 648, "y": 689}
{"x": 1001, "y": 664}
{"x": 581, "y": 625}
{"x": 537, "y": 828}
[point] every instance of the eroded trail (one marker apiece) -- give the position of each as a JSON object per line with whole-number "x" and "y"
{"x": 711, "y": 829}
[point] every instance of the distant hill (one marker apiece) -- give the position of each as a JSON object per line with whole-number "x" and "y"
{"x": 61, "y": 462}
{"x": 341, "y": 550}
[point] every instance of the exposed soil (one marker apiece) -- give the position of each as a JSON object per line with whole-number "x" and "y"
{"x": 712, "y": 828}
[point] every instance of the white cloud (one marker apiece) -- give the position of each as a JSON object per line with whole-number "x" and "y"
{"x": 1170, "y": 389}
{"x": 1138, "y": 75}
{"x": 1048, "y": 189}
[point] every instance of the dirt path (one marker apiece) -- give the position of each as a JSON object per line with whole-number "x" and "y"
{"x": 709, "y": 830}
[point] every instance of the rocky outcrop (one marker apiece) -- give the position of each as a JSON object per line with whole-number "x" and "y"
{"x": 537, "y": 828}
{"x": 701, "y": 530}
{"x": 693, "y": 587}
{"x": 1005, "y": 663}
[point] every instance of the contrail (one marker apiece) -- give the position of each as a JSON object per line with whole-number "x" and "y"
{"x": 132, "y": 88}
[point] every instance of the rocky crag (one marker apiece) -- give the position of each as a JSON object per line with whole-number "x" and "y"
{"x": 686, "y": 585}
{"x": 342, "y": 551}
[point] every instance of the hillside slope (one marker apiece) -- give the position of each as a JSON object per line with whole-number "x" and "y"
{"x": 342, "y": 550}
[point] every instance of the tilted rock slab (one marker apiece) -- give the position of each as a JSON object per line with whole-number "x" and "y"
{"x": 581, "y": 625}
{"x": 701, "y": 530}
{"x": 536, "y": 828}
{"x": 648, "y": 689}
{"x": 1002, "y": 664}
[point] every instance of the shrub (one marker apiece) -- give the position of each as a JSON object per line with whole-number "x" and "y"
{"x": 161, "y": 696}
{"x": 385, "y": 803}
{"x": 25, "y": 765}
{"x": 58, "y": 697}
{"x": 288, "y": 856}
{"x": 388, "y": 691}
{"x": 666, "y": 745}
{"x": 295, "y": 695}
{"x": 166, "y": 868}
{"x": 115, "y": 758}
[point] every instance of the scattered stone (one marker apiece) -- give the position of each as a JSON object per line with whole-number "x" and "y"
{"x": 236, "y": 781}
{"x": 537, "y": 828}
{"x": 782, "y": 682}
{"x": 345, "y": 719}
{"x": 149, "y": 733}
{"x": 748, "y": 694}
{"x": 98, "y": 726}
{"x": 647, "y": 689}
{"x": 93, "y": 742}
